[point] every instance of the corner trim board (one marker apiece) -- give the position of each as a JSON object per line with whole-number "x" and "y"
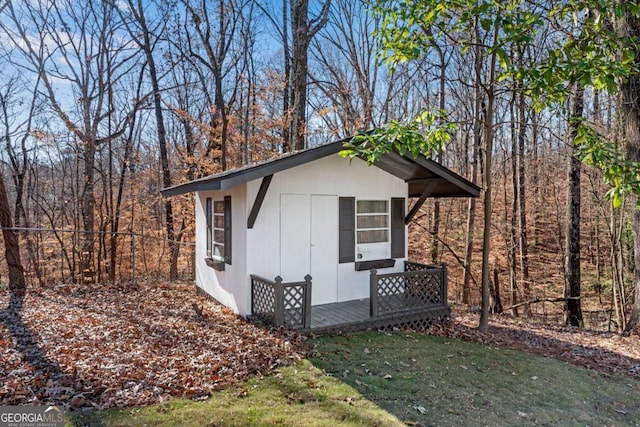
{"x": 257, "y": 204}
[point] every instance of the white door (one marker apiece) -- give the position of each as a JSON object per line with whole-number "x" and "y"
{"x": 295, "y": 235}
{"x": 324, "y": 249}
{"x": 309, "y": 243}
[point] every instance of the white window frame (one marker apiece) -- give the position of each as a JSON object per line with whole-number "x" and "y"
{"x": 216, "y": 243}
{"x": 374, "y": 250}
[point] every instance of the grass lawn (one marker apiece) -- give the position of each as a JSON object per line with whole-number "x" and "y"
{"x": 440, "y": 381}
{"x": 296, "y": 396}
{"x": 391, "y": 379}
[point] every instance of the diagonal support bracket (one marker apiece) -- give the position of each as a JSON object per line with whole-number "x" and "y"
{"x": 257, "y": 204}
{"x": 428, "y": 189}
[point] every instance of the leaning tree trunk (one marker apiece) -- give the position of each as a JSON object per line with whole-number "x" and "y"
{"x": 147, "y": 46}
{"x": 572, "y": 307}
{"x": 17, "y": 284}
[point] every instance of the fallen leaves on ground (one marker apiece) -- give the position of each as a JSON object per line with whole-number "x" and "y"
{"x": 605, "y": 352}
{"x": 117, "y": 346}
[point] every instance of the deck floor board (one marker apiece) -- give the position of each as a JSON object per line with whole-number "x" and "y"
{"x": 339, "y": 313}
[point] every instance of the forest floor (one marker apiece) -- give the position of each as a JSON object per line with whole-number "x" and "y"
{"x": 103, "y": 346}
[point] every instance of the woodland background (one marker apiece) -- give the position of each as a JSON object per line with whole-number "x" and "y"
{"x": 104, "y": 103}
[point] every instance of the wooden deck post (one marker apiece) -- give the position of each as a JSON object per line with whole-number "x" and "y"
{"x": 444, "y": 284}
{"x": 253, "y": 294}
{"x": 373, "y": 293}
{"x": 307, "y": 302}
{"x": 278, "y": 315}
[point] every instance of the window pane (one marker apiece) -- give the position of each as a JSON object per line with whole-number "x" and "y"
{"x": 373, "y": 236}
{"x": 218, "y": 251}
{"x": 218, "y": 236}
{"x": 218, "y": 221}
{"x": 373, "y": 221}
{"x": 218, "y": 206}
{"x": 372, "y": 206}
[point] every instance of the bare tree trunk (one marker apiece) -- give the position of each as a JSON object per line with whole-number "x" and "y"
{"x": 634, "y": 318}
{"x": 477, "y": 140}
{"x": 20, "y": 164}
{"x": 483, "y": 326}
{"x": 617, "y": 268}
{"x": 88, "y": 210}
{"x": 17, "y": 284}
{"x": 128, "y": 149}
{"x": 572, "y": 308}
{"x": 435, "y": 230}
{"x": 513, "y": 239}
{"x": 522, "y": 206}
{"x": 494, "y": 287}
{"x": 302, "y": 31}
{"x": 146, "y": 45}
{"x": 629, "y": 28}
{"x": 286, "y": 90}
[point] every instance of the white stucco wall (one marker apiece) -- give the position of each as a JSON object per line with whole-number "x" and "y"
{"x": 331, "y": 175}
{"x": 230, "y": 287}
{"x": 258, "y": 250}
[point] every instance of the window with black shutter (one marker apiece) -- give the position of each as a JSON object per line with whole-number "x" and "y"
{"x": 371, "y": 232}
{"x": 347, "y": 229}
{"x": 218, "y": 232}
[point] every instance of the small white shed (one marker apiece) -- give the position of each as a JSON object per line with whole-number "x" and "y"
{"x": 312, "y": 213}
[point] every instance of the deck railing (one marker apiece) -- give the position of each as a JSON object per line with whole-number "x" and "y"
{"x": 281, "y": 303}
{"x": 419, "y": 286}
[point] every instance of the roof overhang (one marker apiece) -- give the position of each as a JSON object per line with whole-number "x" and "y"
{"x": 419, "y": 173}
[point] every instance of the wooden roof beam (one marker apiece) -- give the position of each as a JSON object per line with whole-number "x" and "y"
{"x": 257, "y": 203}
{"x": 428, "y": 189}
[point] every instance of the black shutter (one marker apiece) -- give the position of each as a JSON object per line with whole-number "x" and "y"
{"x": 209, "y": 215}
{"x": 397, "y": 228}
{"x": 227, "y": 229}
{"x": 347, "y": 229}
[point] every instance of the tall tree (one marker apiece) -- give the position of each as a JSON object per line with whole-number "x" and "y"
{"x": 17, "y": 284}
{"x": 216, "y": 29}
{"x": 628, "y": 28}
{"x": 139, "y": 26}
{"x": 345, "y": 51}
{"x": 490, "y": 25}
{"x": 573, "y": 310}
{"x": 60, "y": 42}
{"x": 303, "y": 29}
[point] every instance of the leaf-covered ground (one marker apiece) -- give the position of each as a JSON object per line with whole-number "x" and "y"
{"x": 605, "y": 352}
{"x": 116, "y": 346}
{"x": 119, "y": 346}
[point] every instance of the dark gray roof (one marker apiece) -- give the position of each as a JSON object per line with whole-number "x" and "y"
{"x": 417, "y": 172}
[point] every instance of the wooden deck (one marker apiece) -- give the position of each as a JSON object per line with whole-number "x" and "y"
{"x": 354, "y": 315}
{"x": 340, "y": 313}
{"x": 415, "y": 299}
